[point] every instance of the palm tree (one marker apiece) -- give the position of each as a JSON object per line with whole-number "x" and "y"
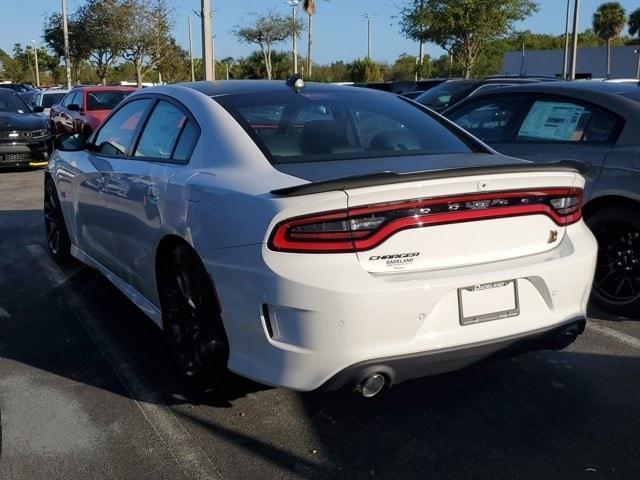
{"x": 634, "y": 31}
{"x": 309, "y": 7}
{"x": 608, "y": 22}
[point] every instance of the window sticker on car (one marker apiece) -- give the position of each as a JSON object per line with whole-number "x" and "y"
{"x": 551, "y": 121}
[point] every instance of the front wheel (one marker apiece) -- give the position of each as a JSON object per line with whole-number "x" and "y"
{"x": 192, "y": 320}
{"x": 616, "y": 286}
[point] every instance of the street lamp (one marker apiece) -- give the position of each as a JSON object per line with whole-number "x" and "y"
{"x": 293, "y": 4}
{"x": 367, "y": 17}
{"x": 35, "y": 51}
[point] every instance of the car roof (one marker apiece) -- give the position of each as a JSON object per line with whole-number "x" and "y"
{"x": 230, "y": 87}
{"x": 591, "y": 91}
{"x": 55, "y": 90}
{"x": 109, "y": 88}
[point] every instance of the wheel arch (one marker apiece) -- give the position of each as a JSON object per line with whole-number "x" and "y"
{"x": 167, "y": 244}
{"x": 605, "y": 201}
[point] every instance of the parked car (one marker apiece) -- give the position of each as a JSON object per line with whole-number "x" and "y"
{"x": 18, "y": 87}
{"x": 594, "y": 122}
{"x": 83, "y": 108}
{"x": 449, "y": 93}
{"x": 23, "y": 134}
{"x": 46, "y": 99}
{"x": 320, "y": 236}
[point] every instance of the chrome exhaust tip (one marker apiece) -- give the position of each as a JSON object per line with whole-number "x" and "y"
{"x": 372, "y": 385}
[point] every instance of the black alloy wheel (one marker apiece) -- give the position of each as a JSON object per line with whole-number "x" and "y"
{"x": 616, "y": 286}
{"x": 192, "y": 320}
{"x": 56, "y": 230}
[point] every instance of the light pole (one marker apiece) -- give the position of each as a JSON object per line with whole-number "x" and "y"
{"x": 367, "y": 17}
{"x": 207, "y": 45}
{"x": 65, "y": 34}
{"x": 637, "y": 52}
{"x": 293, "y": 4}
{"x": 35, "y": 52}
{"x": 574, "y": 49}
{"x": 565, "y": 64}
{"x": 193, "y": 72}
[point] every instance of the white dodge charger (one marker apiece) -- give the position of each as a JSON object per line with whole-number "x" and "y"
{"x": 317, "y": 236}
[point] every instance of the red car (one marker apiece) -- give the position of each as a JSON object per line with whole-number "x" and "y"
{"x": 84, "y": 108}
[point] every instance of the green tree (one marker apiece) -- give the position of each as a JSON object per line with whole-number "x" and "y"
{"x": 148, "y": 39}
{"x": 634, "y": 25}
{"x": 365, "y": 70}
{"x": 406, "y": 66}
{"x": 104, "y": 23}
{"x": 414, "y": 21}
{"x": 464, "y": 27}
{"x": 608, "y": 22}
{"x": 79, "y": 47}
{"x": 267, "y": 31}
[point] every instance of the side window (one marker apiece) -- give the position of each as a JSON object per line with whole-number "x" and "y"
{"x": 116, "y": 135}
{"x": 186, "y": 142}
{"x": 79, "y": 99}
{"x": 161, "y": 132}
{"x": 67, "y": 99}
{"x": 564, "y": 121}
{"x": 488, "y": 119}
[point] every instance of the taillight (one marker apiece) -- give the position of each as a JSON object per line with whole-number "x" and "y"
{"x": 363, "y": 228}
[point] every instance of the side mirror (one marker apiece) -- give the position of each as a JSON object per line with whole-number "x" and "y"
{"x": 74, "y": 107}
{"x": 70, "y": 142}
{"x": 38, "y": 109}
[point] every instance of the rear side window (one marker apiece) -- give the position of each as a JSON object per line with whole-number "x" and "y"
{"x": 563, "y": 121}
{"x": 161, "y": 132}
{"x": 116, "y": 135}
{"x": 340, "y": 125}
{"x": 488, "y": 119}
{"x": 186, "y": 142}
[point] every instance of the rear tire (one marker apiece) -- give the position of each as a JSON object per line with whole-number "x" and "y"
{"x": 58, "y": 241}
{"x": 192, "y": 320}
{"x": 616, "y": 287}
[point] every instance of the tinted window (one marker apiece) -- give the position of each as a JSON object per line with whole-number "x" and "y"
{"x": 161, "y": 131}
{"x": 336, "y": 125}
{"x": 563, "y": 121}
{"x": 489, "y": 118}
{"x": 10, "y": 102}
{"x": 68, "y": 100}
{"x": 116, "y": 135}
{"x": 186, "y": 142}
{"x": 446, "y": 94}
{"x": 50, "y": 99}
{"x": 105, "y": 99}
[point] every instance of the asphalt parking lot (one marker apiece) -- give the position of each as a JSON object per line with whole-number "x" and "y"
{"x": 86, "y": 391}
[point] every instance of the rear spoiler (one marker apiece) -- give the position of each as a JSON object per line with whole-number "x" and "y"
{"x": 386, "y": 177}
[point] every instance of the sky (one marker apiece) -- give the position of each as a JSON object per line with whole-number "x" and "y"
{"x": 340, "y": 31}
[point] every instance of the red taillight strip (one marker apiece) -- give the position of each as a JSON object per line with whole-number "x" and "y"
{"x": 283, "y": 239}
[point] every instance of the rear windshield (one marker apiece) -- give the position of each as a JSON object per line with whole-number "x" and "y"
{"x": 446, "y": 94}
{"x": 51, "y": 99}
{"x": 321, "y": 126}
{"x": 105, "y": 100}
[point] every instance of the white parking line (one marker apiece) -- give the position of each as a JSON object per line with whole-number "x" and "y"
{"x": 610, "y": 332}
{"x": 192, "y": 460}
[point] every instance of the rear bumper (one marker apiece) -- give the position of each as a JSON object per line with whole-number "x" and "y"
{"x": 405, "y": 367}
{"x": 310, "y": 321}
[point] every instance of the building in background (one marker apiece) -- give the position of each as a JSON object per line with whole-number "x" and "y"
{"x": 592, "y": 62}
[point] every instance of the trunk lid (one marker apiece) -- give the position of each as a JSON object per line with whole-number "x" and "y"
{"x": 460, "y": 220}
